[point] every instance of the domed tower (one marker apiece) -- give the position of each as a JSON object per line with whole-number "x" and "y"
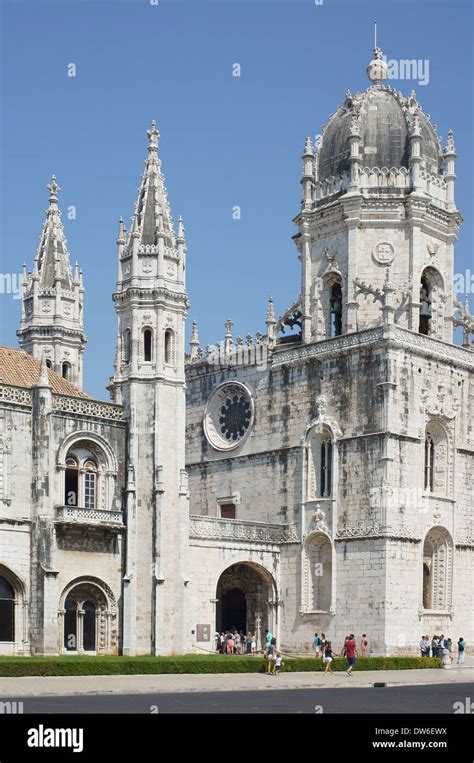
{"x": 378, "y": 220}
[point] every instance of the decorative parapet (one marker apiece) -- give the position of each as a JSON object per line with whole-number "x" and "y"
{"x": 360, "y": 532}
{"x": 393, "y": 335}
{"x": 214, "y": 528}
{"x": 385, "y": 178}
{"x": 18, "y": 395}
{"x": 77, "y": 516}
{"x": 78, "y": 405}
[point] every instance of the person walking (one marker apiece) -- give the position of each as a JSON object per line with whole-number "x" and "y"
{"x": 328, "y": 657}
{"x": 461, "y": 650}
{"x": 230, "y": 643}
{"x": 278, "y": 664}
{"x": 270, "y": 656}
{"x": 316, "y": 644}
{"x": 351, "y": 653}
{"x": 364, "y": 644}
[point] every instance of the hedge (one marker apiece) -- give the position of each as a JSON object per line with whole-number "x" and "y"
{"x": 191, "y": 663}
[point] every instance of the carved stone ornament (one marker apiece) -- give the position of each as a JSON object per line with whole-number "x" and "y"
{"x": 383, "y": 253}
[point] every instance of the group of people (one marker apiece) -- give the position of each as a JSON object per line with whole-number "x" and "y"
{"x": 442, "y": 647}
{"x": 323, "y": 648}
{"x": 235, "y": 642}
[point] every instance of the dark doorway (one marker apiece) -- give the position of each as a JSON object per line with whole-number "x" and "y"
{"x": 234, "y": 610}
{"x": 89, "y": 626}
{"x": 7, "y": 611}
{"x": 70, "y": 625}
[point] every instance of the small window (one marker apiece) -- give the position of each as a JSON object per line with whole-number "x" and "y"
{"x": 49, "y": 364}
{"x": 326, "y": 469}
{"x": 66, "y": 371}
{"x": 126, "y": 346}
{"x": 425, "y": 307}
{"x": 227, "y": 510}
{"x": 147, "y": 345}
{"x": 336, "y": 310}
{"x": 429, "y": 462}
{"x": 169, "y": 347}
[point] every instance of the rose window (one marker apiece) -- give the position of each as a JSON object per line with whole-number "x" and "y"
{"x": 229, "y": 415}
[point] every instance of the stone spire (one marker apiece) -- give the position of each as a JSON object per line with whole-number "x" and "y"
{"x": 271, "y": 322}
{"x": 153, "y": 214}
{"x": 52, "y": 324}
{"x": 377, "y": 70}
{"x": 194, "y": 342}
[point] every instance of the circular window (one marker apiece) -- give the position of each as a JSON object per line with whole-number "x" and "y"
{"x": 228, "y": 416}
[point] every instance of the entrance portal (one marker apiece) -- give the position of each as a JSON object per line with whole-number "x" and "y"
{"x": 245, "y": 599}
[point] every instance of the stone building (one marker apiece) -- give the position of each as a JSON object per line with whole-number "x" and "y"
{"x": 317, "y": 476}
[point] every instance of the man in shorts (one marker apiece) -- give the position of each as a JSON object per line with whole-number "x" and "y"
{"x": 351, "y": 653}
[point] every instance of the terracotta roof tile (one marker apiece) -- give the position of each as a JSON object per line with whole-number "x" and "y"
{"x": 19, "y": 369}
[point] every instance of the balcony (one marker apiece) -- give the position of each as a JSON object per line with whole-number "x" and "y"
{"x": 77, "y": 517}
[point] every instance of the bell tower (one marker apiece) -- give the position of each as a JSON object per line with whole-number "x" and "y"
{"x": 151, "y": 306}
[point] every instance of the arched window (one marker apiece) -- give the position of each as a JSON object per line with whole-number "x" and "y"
{"x": 169, "y": 347}
{"x": 320, "y": 465}
{"x": 336, "y": 310}
{"x": 436, "y": 459}
{"x": 66, "y": 371}
{"x": 325, "y": 479}
{"x": 81, "y": 479}
{"x": 432, "y": 304}
{"x": 147, "y": 345}
{"x": 318, "y": 573}
{"x": 49, "y": 364}
{"x": 71, "y": 484}
{"x": 7, "y": 611}
{"x": 425, "y": 306}
{"x": 437, "y": 569}
{"x": 70, "y": 625}
{"x": 429, "y": 462}
{"x": 127, "y": 346}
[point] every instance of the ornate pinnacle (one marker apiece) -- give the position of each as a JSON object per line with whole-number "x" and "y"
{"x": 416, "y": 127}
{"x": 194, "y": 342}
{"x": 271, "y": 311}
{"x": 228, "y": 328}
{"x": 153, "y": 135}
{"x": 181, "y": 231}
{"x": 53, "y": 189}
{"x": 43, "y": 379}
{"x": 450, "y": 149}
{"x": 308, "y": 148}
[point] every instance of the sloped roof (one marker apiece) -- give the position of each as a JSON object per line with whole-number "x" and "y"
{"x": 19, "y": 369}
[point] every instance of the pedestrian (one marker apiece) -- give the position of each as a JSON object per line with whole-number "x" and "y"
{"x": 248, "y": 643}
{"x": 461, "y": 650}
{"x": 364, "y": 644}
{"x": 449, "y": 647}
{"x": 343, "y": 650}
{"x": 237, "y": 643}
{"x": 230, "y": 643}
{"x": 217, "y": 639}
{"x": 316, "y": 644}
{"x": 328, "y": 657}
{"x": 253, "y": 644}
{"x": 434, "y": 646}
{"x": 278, "y": 663}
{"x": 351, "y": 653}
{"x": 322, "y": 643}
{"x": 270, "y": 656}
{"x": 425, "y": 646}
{"x": 268, "y": 637}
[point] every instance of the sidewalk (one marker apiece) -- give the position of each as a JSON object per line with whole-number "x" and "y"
{"x": 171, "y": 684}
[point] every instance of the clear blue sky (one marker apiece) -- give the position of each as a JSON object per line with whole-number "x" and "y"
{"x": 225, "y": 141}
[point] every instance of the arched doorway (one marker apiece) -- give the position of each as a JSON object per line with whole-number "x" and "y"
{"x": 88, "y": 618}
{"x": 246, "y": 599}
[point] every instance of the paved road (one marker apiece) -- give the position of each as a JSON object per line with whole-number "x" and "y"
{"x": 405, "y": 699}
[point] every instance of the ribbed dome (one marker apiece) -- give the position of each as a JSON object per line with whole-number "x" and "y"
{"x": 385, "y": 117}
